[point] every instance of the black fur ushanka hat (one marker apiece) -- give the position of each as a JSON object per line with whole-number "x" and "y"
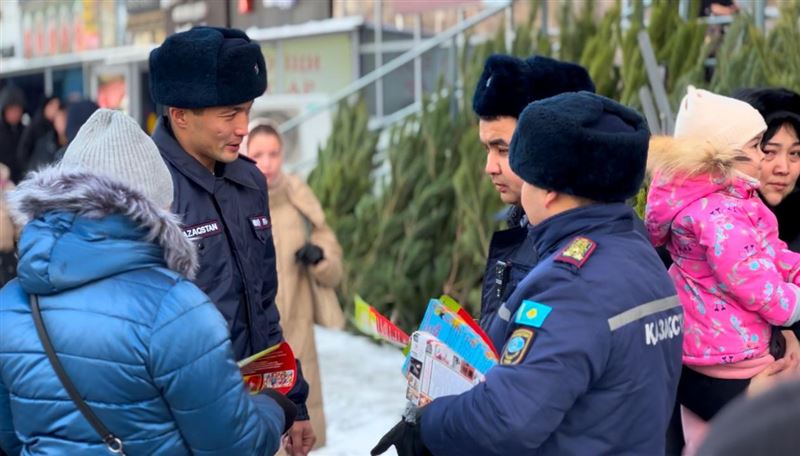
{"x": 508, "y": 83}
{"x": 205, "y": 67}
{"x": 581, "y": 144}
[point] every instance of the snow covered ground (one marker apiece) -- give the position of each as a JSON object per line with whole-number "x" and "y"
{"x": 363, "y": 392}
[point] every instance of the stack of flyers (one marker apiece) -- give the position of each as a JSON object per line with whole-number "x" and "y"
{"x": 435, "y": 370}
{"x": 456, "y": 308}
{"x": 452, "y": 326}
{"x": 448, "y": 354}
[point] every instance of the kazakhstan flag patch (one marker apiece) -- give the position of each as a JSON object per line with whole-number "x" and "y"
{"x": 532, "y": 313}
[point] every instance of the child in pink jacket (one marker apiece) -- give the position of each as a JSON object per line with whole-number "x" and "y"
{"x": 736, "y": 280}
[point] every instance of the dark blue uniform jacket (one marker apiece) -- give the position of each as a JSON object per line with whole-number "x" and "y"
{"x": 227, "y": 214}
{"x": 590, "y": 345}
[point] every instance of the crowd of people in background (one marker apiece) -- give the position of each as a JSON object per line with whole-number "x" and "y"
{"x": 154, "y": 264}
{"x": 30, "y": 147}
{"x": 42, "y": 141}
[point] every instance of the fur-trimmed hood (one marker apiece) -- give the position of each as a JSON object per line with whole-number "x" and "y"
{"x": 91, "y": 214}
{"x": 685, "y": 171}
{"x": 668, "y": 156}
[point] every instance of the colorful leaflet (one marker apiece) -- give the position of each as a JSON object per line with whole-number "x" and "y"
{"x": 274, "y": 368}
{"x": 372, "y": 323}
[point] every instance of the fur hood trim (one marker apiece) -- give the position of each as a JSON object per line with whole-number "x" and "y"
{"x": 669, "y": 156}
{"x": 97, "y": 196}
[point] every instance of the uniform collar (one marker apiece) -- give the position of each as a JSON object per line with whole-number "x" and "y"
{"x": 187, "y": 165}
{"x": 595, "y": 218}
{"x": 515, "y": 217}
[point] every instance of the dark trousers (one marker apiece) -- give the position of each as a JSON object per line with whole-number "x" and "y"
{"x": 704, "y": 395}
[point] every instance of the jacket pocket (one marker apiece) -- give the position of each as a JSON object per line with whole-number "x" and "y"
{"x": 204, "y": 235}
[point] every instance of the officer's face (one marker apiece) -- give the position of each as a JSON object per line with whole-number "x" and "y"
{"x": 495, "y": 135}
{"x": 213, "y": 134}
{"x": 265, "y": 149}
{"x": 535, "y": 203}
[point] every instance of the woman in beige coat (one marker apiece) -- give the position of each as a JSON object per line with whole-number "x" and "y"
{"x": 8, "y": 263}
{"x": 309, "y": 262}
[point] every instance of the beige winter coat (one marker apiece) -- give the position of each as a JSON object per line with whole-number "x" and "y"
{"x": 7, "y": 230}
{"x": 305, "y": 294}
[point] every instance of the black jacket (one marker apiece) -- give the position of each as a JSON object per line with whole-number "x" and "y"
{"x": 45, "y": 152}
{"x": 10, "y": 135}
{"x": 227, "y": 214}
{"x": 39, "y": 128}
{"x": 511, "y": 257}
{"x": 788, "y": 214}
{"x": 9, "y": 139}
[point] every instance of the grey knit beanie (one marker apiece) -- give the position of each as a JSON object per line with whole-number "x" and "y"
{"x": 112, "y": 144}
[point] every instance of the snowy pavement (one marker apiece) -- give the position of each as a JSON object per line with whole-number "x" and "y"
{"x": 363, "y": 392}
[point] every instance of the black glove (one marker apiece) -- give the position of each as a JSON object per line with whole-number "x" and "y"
{"x": 289, "y": 409}
{"x": 406, "y": 438}
{"x": 309, "y": 254}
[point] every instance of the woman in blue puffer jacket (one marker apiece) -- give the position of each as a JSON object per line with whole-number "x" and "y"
{"x": 144, "y": 347}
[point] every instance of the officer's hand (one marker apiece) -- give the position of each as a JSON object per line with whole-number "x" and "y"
{"x": 289, "y": 409}
{"x": 406, "y": 438}
{"x": 309, "y": 254}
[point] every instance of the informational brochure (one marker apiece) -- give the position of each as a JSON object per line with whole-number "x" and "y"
{"x": 448, "y": 354}
{"x": 274, "y": 368}
{"x": 457, "y": 330}
{"x": 456, "y": 308}
{"x": 435, "y": 370}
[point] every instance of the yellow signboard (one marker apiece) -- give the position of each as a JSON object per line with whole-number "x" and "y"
{"x": 315, "y": 64}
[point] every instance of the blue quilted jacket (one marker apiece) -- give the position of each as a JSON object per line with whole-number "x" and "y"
{"x": 145, "y": 347}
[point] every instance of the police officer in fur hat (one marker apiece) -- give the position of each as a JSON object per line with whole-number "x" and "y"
{"x": 506, "y": 86}
{"x": 206, "y": 79}
{"x": 590, "y": 359}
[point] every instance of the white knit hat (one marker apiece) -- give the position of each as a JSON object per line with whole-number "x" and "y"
{"x": 727, "y": 122}
{"x": 112, "y": 144}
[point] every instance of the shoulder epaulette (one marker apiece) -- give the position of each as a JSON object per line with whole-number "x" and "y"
{"x": 577, "y": 252}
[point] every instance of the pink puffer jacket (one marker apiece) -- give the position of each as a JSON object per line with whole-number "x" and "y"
{"x": 734, "y": 277}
